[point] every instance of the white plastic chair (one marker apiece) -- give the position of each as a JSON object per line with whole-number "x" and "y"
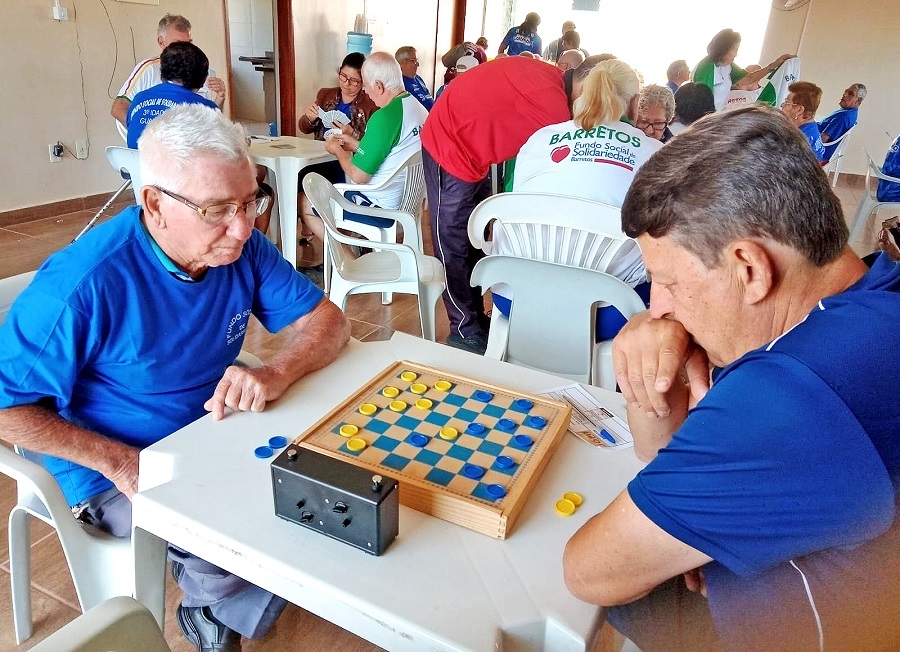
{"x": 837, "y": 148}
{"x": 552, "y": 321}
{"x": 120, "y": 624}
{"x": 100, "y": 564}
{"x": 870, "y": 202}
{"x": 395, "y": 267}
{"x": 410, "y": 202}
{"x": 127, "y": 161}
{"x": 557, "y": 229}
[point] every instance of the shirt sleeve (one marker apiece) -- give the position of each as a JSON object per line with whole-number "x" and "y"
{"x": 704, "y": 73}
{"x": 507, "y": 39}
{"x": 771, "y": 465}
{"x": 382, "y": 133}
{"x": 283, "y": 295}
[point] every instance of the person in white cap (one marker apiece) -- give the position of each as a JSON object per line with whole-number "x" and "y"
{"x": 465, "y": 62}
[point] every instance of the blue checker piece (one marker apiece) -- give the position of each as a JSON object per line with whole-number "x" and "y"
{"x": 395, "y": 462}
{"x": 440, "y": 476}
{"x": 493, "y": 410}
{"x": 377, "y": 426}
{"x": 522, "y": 441}
{"x": 490, "y": 447}
{"x": 278, "y": 441}
{"x": 408, "y": 423}
{"x": 427, "y": 457}
{"x": 535, "y": 421}
{"x": 466, "y": 415}
{"x": 459, "y": 452}
{"x": 473, "y": 471}
{"x": 489, "y": 492}
{"x": 519, "y": 406}
{"x": 507, "y": 425}
{"x": 417, "y": 440}
{"x": 475, "y": 428}
{"x": 504, "y": 462}
{"x": 482, "y": 395}
{"x": 437, "y": 419}
{"x": 385, "y": 443}
{"x": 454, "y": 399}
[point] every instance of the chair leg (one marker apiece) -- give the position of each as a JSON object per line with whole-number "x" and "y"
{"x": 326, "y": 266}
{"x": 387, "y": 298}
{"x": 428, "y": 299}
{"x": 863, "y": 213}
{"x": 20, "y": 572}
{"x": 498, "y": 336}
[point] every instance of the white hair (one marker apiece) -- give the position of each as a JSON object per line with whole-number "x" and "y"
{"x": 172, "y": 142}
{"x": 382, "y": 67}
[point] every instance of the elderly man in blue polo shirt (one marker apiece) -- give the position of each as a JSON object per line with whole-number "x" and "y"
{"x": 844, "y": 119}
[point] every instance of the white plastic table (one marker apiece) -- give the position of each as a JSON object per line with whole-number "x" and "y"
{"x": 286, "y": 156}
{"x": 438, "y": 586}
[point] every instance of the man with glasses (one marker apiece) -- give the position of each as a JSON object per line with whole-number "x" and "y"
{"x": 415, "y": 85}
{"x": 131, "y": 333}
{"x": 656, "y": 108}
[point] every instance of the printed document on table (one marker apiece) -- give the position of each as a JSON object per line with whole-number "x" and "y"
{"x": 591, "y": 421}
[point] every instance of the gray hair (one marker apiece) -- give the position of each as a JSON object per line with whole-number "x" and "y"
{"x": 180, "y": 23}
{"x": 676, "y": 67}
{"x": 654, "y": 95}
{"x": 695, "y": 189}
{"x": 382, "y": 67}
{"x": 404, "y": 53}
{"x": 860, "y": 91}
{"x": 172, "y": 142}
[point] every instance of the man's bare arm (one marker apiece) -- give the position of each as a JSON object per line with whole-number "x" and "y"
{"x": 620, "y": 555}
{"x": 43, "y": 431}
{"x": 343, "y": 147}
{"x": 120, "y": 108}
{"x": 314, "y": 341}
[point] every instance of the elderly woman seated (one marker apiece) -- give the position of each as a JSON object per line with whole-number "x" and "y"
{"x": 349, "y": 110}
{"x": 800, "y": 108}
{"x": 594, "y": 156}
{"x": 656, "y": 107}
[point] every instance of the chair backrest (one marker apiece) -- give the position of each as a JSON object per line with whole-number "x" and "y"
{"x": 552, "y": 319}
{"x": 553, "y": 228}
{"x": 414, "y": 188}
{"x": 127, "y": 162}
{"x": 122, "y": 624}
{"x": 838, "y": 146}
{"x": 10, "y": 288}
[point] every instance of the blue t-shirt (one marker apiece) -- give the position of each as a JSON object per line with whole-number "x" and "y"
{"x": 837, "y": 124}
{"x": 112, "y": 341}
{"x": 811, "y": 131}
{"x": 416, "y": 87}
{"x": 517, "y": 42}
{"x": 155, "y": 100}
{"x": 888, "y": 190}
{"x": 787, "y": 472}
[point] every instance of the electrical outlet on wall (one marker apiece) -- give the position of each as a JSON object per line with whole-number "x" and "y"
{"x": 81, "y": 149}
{"x": 54, "y": 157}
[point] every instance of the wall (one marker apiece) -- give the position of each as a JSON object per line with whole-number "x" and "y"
{"x": 841, "y": 43}
{"x": 59, "y": 80}
{"x": 320, "y": 37}
{"x": 251, "y": 34}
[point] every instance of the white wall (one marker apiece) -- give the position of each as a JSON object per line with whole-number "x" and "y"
{"x": 252, "y": 35}
{"x": 840, "y": 43}
{"x": 59, "y": 80}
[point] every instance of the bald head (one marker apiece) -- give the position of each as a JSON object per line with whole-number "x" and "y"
{"x": 570, "y": 59}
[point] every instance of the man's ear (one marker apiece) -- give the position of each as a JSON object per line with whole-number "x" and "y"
{"x": 151, "y": 200}
{"x": 633, "y": 107}
{"x": 754, "y": 268}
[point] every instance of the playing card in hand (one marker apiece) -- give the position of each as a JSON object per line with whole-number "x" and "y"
{"x": 328, "y": 118}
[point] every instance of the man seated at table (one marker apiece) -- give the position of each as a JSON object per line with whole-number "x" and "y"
{"x": 844, "y": 119}
{"x": 172, "y": 28}
{"x": 131, "y": 333}
{"x": 415, "y": 85}
{"x": 183, "y": 68}
{"x": 392, "y": 136}
{"x": 775, "y": 495}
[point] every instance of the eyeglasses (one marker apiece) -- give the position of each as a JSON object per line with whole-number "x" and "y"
{"x": 786, "y": 103}
{"x": 220, "y": 214}
{"x": 656, "y": 126}
{"x": 412, "y": 60}
{"x": 350, "y": 81}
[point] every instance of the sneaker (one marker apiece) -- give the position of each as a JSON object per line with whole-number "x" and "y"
{"x": 476, "y": 343}
{"x": 202, "y": 630}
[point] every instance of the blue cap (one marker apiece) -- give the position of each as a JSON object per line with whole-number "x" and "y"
{"x": 278, "y": 441}
{"x": 262, "y": 452}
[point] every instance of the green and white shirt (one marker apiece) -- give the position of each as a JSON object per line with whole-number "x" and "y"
{"x": 392, "y": 135}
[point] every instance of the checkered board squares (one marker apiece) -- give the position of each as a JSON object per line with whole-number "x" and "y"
{"x": 438, "y": 478}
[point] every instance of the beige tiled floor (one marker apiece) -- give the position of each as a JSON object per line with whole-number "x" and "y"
{"x": 22, "y": 248}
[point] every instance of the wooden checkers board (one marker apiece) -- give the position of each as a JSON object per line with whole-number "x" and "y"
{"x": 463, "y": 451}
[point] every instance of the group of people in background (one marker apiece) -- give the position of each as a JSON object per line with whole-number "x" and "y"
{"x": 757, "y": 509}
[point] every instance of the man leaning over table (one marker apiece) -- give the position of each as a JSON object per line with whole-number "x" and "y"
{"x": 766, "y": 517}
{"x": 131, "y": 333}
